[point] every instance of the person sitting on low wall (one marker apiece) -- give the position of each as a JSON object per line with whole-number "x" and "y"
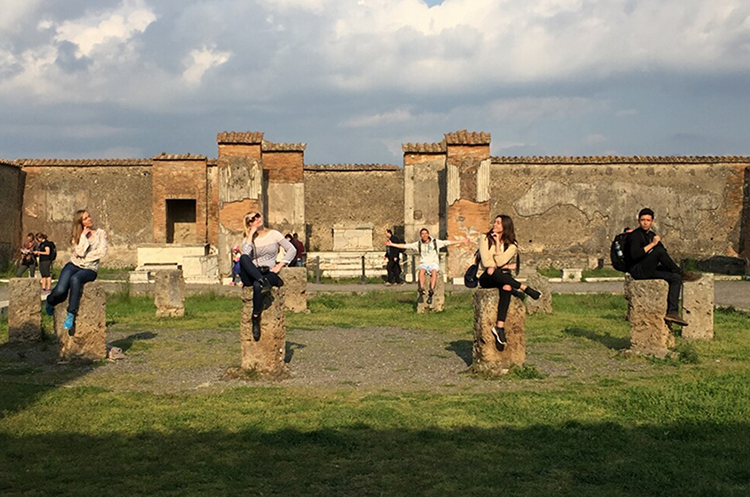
{"x": 647, "y": 259}
{"x": 89, "y": 245}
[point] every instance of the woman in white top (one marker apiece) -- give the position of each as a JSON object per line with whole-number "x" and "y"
{"x": 89, "y": 246}
{"x": 258, "y": 266}
{"x": 498, "y": 251}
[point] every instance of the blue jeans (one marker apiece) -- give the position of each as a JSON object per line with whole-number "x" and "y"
{"x": 251, "y": 276}
{"x": 72, "y": 279}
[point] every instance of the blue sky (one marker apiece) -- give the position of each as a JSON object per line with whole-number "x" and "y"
{"x": 356, "y": 78}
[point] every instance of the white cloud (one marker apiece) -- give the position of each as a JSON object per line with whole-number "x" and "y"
{"x": 200, "y": 61}
{"x": 13, "y": 12}
{"x": 131, "y": 17}
{"x": 533, "y": 109}
{"x": 395, "y": 116}
{"x": 595, "y": 139}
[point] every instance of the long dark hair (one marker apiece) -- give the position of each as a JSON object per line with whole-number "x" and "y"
{"x": 509, "y": 232}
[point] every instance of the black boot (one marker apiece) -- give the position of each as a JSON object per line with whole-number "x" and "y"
{"x": 256, "y": 327}
{"x": 534, "y": 294}
{"x": 420, "y": 297}
{"x": 429, "y": 297}
{"x": 265, "y": 285}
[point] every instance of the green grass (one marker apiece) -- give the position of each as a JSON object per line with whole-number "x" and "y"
{"x": 647, "y": 428}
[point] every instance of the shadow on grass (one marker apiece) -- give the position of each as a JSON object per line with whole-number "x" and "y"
{"x": 290, "y": 348}
{"x": 570, "y": 459}
{"x": 127, "y": 342}
{"x": 463, "y": 349}
{"x": 609, "y": 341}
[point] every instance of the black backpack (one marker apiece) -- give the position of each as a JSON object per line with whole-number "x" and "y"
{"x": 617, "y": 252}
{"x": 52, "y": 251}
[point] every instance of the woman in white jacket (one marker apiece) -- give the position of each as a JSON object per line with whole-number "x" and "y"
{"x": 89, "y": 246}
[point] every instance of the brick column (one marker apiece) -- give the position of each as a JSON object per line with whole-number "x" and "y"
{"x": 240, "y": 188}
{"x": 467, "y": 194}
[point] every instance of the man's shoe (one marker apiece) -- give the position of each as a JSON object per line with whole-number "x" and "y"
{"x": 265, "y": 285}
{"x": 420, "y": 295}
{"x": 690, "y": 276}
{"x": 49, "y": 308}
{"x": 499, "y": 334}
{"x": 429, "y": 297}
{"x": 70, "y": 324}
{"x": 674, "y": 318}
{"x": 534, "y": 294}
{"x": 518, "y": 294}
{"x": 256, "y": 328}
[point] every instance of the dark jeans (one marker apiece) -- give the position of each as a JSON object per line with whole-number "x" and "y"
{"x": 23, "y": 267}
{"x": 394, "y": 270}
{"x": 72, "y": 278}
{"x": 657, "y": 265}
{"x": 251, "y": 275}
{"x": 499, "y": 279}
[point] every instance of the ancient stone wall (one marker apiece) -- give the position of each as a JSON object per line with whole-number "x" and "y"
{"x": 283, "y": 166}
{"x": 117, "y": 193}
{"x": 568, "y": 209}
{"x": 352, "y": 196}
{"x": 11, "y": 205}
{"x": 424, "y": 189}
{"x": 179, "y": 178}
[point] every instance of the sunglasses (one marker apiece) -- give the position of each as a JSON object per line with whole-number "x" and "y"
{"x": 253, "y": 218}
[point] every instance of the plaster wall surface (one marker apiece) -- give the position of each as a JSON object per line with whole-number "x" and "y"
{"x": 424, "y": 199}
{"x": 11, "y": 204}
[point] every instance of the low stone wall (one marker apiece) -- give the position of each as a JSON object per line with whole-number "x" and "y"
{"x": 90, "y": 340}
{"x": 487, "y": 358}
{"x": 24, "y": 310}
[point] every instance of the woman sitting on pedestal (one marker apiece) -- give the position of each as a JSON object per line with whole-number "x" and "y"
{"x": 498, "y": 251}
{"x": 89, "y": 245}
{"x": 258, "y": 266}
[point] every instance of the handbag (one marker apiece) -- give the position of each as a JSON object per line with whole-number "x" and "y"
{"x": 470, "y": 276}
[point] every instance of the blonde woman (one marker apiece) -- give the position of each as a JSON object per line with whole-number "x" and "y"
{"x": 89, "y": 245}
{"x": 258, "y": 266}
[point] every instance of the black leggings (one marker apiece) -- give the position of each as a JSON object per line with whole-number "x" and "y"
{"x": 499, "y": 279}
{"x": 251, "y": 275}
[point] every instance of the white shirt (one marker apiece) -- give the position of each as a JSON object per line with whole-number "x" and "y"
{"x": 428, "y": 253}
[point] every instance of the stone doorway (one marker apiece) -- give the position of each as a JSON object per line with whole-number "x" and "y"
{"x": 181, "y": 220}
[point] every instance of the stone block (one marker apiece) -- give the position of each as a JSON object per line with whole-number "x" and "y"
{"x": 90, "y": 340}
{"x": 295, "y": 286}
{"x": 266, "y": 355}
{"x": 438, "y": 299}
{"x": 544, "y": 304}
{"x": 647, "y": 305}
{"x": 169, "y": 293}
{"x": 24, "y": 310}
{"x": 698, "y": 308}
{"x": 572, "y": 275}
{"x": 486, "y": 356}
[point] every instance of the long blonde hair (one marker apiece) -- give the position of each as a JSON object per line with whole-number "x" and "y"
{"x": 77, "y": 229}
{"x": 249, "y": 217}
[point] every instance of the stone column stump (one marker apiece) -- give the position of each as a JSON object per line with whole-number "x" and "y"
{"x": 24, "y": 310}
{"x": 295, "y": 285}
{"x": 169, "y": 293}
{"x": 438, "y": 300}
{"x": 698, "y": 308}
{"x": 544, "y": 304}
{"x": 486, "y": 356}
{"x": 266, "y": 355}
{"x": 647, "y": 305}
{"x": 90, "y": 340}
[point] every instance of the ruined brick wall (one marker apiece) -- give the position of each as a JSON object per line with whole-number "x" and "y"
{"x": 569, "y": 209}
{"x": 117, "y": 193}
{"x": 283, "y": 166}
{"x": 180, "y": 177}
{"x": 352, "y": 195}
{"x": 11, "y": 190}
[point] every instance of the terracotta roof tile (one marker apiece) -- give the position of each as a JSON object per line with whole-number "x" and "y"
{"x": 246, "y": 137}
{"x": 351, "y": 167}
{"x": 283, "y": 147}
{"x": 166, "y": 156}
{"x": 464, "y": 137}
{"x": 82, "y": 162}
{"x": 636, "y": 159}
{"x": 8, "y": 163}
{"x": 212, "y": 162}
{"x": 424, "y": 148}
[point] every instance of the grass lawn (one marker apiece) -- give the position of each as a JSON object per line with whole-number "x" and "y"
{"x": 637, "y": 427}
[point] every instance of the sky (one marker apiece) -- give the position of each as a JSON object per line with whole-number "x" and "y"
{"x": 354, "y": 79}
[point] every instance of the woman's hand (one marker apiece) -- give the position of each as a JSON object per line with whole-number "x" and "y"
{"x": 277, "y": 268}
{"x": 86, "y": 232}
{"x": 490, "y": 270}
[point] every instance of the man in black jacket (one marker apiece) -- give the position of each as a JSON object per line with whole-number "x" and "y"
{"x": 393, "y": 257}
{"x": 648, "y": 260}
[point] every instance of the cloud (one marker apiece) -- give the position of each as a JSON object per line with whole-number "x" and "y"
{"x": 201, "y": 60}
{"x": 395, "y": 116}
{"x": 595, "y": 138}
{"x": 13, "y": 13}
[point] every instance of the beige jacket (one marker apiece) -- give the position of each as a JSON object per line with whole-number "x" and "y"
{"x": 89, "y": 250}
{"x": 496, "y": 257}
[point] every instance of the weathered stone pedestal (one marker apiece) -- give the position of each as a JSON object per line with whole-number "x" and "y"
{"x": 698, "y": 308}
{"x": 295, "y": 286}
{"x": 544, "y": 304}
{"x": 647, "y": 305}
{"x": 438, "y": 299}
{"x": 169, "y": 293}
{"x": 487, "y": 358}
{"x": 266, "y": 355}
{"x": 90, "y": 340}
{"x": 24, "y": 310}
